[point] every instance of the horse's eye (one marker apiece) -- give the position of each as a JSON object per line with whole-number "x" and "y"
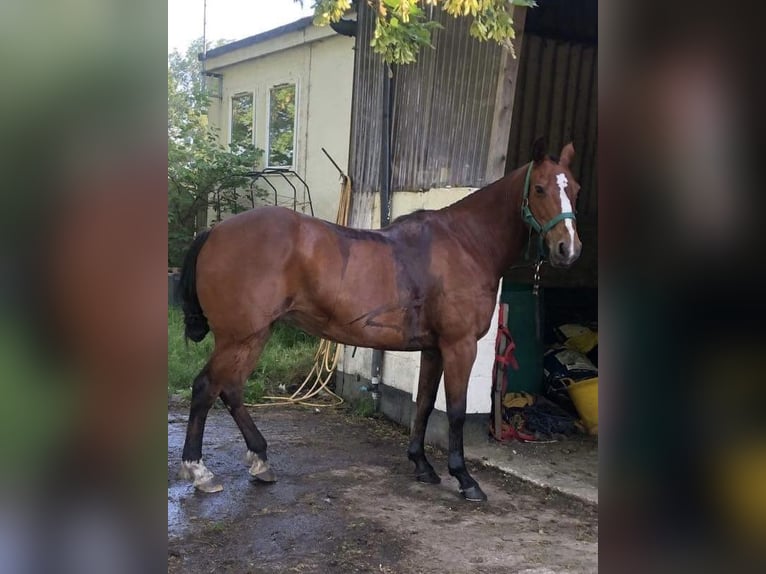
{"x": 540, "y": 189}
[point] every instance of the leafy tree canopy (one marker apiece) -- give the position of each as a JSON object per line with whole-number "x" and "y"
{"x": 402, "y": 27}
{"x": 202, "y": 172}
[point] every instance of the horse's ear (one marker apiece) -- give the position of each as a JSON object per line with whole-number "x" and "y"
{"x": 539, "y": 149}
{"x": 567, "y": 155}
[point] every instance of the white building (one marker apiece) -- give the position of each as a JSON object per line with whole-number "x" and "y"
{"x": 289, "y": 91}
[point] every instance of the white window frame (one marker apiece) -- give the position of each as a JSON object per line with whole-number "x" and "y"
{"x": 296, "y": 83}
{"x": 231, "y": 114}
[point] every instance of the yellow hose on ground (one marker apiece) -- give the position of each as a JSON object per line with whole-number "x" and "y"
{"x": 328, "y": 353}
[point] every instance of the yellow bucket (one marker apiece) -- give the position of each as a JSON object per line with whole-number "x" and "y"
{"x": 584, "y": 395}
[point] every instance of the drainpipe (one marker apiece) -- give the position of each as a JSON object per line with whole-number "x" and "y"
{"x": 377, "y": 364}
{"x": 385, "y": 211}
{"x": 385, "y": 156}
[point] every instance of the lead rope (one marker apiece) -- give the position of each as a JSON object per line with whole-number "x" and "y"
{"x": 533, "y": 225}
{"x": 536, "y": 293}
{"x": 529, "y": 218}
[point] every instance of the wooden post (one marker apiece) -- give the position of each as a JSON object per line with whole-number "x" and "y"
{"x": 504, "y": 96}
{"x": 500, "y": 373}
{"x": 496, "y": 160}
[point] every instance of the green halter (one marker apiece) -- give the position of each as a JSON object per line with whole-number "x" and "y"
{"x": 529, "y": 218}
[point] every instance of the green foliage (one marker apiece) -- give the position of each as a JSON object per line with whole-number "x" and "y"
{"x": 402, "y": 27}
{"x": 363, "y": 407}
{"x": 184, "y": 361}
{"x": 399, "y": 34}
{"x": 286, "y": 360}
{"x": 326, "y": 11}
{"x": 201, "y": 171}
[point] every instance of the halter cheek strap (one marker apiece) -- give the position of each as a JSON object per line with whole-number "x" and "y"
{"x": 529, "y": 218}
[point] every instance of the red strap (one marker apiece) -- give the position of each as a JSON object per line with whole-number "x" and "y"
{"x": 508, "y": 357}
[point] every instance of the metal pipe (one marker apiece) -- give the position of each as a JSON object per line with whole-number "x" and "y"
{"x": 377, "y": 366}
{"x": 333, "y": 162}
{"x": 385, "y": 212}
{"x": 385, "y": 156}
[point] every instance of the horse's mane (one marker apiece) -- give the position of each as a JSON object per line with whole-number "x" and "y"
{"x": 419, "y": 212}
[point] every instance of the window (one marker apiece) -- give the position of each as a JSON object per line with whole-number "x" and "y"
{"x": 242, "y": 119}
{"x": 281, "y": 148}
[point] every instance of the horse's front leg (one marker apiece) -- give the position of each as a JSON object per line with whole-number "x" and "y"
{"x": 458, "y": 360}
{"x": 430, "y": 374}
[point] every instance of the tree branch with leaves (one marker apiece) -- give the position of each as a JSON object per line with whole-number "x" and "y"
{"x": 403, "y": 27}
{"x": 202, "y": 172}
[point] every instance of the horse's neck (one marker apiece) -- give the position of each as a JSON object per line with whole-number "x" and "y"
{"x": 489, "y": 222}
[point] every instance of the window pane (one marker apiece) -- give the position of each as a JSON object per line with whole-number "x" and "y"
{"x": 242, "y": 119}
{"x": 281, "y": 125}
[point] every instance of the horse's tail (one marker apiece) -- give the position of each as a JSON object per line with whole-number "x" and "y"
{"x": 195, "y": 322}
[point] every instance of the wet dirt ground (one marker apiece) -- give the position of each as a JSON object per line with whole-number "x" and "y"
{"x": 346, "y": 501}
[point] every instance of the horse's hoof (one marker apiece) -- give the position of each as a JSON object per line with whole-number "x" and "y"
{"x": 260, "y": 469}
{"x": 429, "y": 477}
{"x": 265, "y": 476}
{"x": 474, "y": 494}
{"x": 209, "y": 486}
{"x": 185, "y": 473}
{"x": 202, "y": 479}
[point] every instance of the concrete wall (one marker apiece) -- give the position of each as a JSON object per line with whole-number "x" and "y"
{"x": 321, "y": 64}
{"x": 401, "y": 369}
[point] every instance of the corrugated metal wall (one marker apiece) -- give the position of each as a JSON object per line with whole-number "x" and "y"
{"x": 366, "y": 108}
{"x": 443, "y": 110}
{"x": 443, "y": 105}
{"x": 557, "y": 98}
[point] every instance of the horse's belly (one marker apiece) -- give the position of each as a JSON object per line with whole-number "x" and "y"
{"x": 378, "y": 329}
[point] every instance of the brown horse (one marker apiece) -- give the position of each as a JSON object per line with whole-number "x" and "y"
{"x": 428, "y": 282}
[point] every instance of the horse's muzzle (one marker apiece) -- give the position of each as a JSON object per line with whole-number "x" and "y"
{"x": 564, "y": 253}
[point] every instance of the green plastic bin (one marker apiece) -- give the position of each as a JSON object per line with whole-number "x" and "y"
{"x": 522, "y": 323}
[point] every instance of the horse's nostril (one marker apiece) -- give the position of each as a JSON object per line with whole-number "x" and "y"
{"x": 562, "y": 249}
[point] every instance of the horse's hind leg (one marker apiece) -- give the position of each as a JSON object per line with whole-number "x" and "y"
{"x": 192, "y": 467}
{"x": 256, "y": 444}
{"x": 428, "y": 385}
{"x": 224, "y": 374}
{"x": 232, "y": 397}
{"x": 458, "y": 360}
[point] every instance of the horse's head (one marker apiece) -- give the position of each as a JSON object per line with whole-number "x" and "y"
{"x": 550, "y": 194}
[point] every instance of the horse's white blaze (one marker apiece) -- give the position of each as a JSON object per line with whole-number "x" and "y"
{"x": 566, "y": 206}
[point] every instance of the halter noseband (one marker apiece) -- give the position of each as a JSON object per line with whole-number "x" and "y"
{"x": 529, "y": 218}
